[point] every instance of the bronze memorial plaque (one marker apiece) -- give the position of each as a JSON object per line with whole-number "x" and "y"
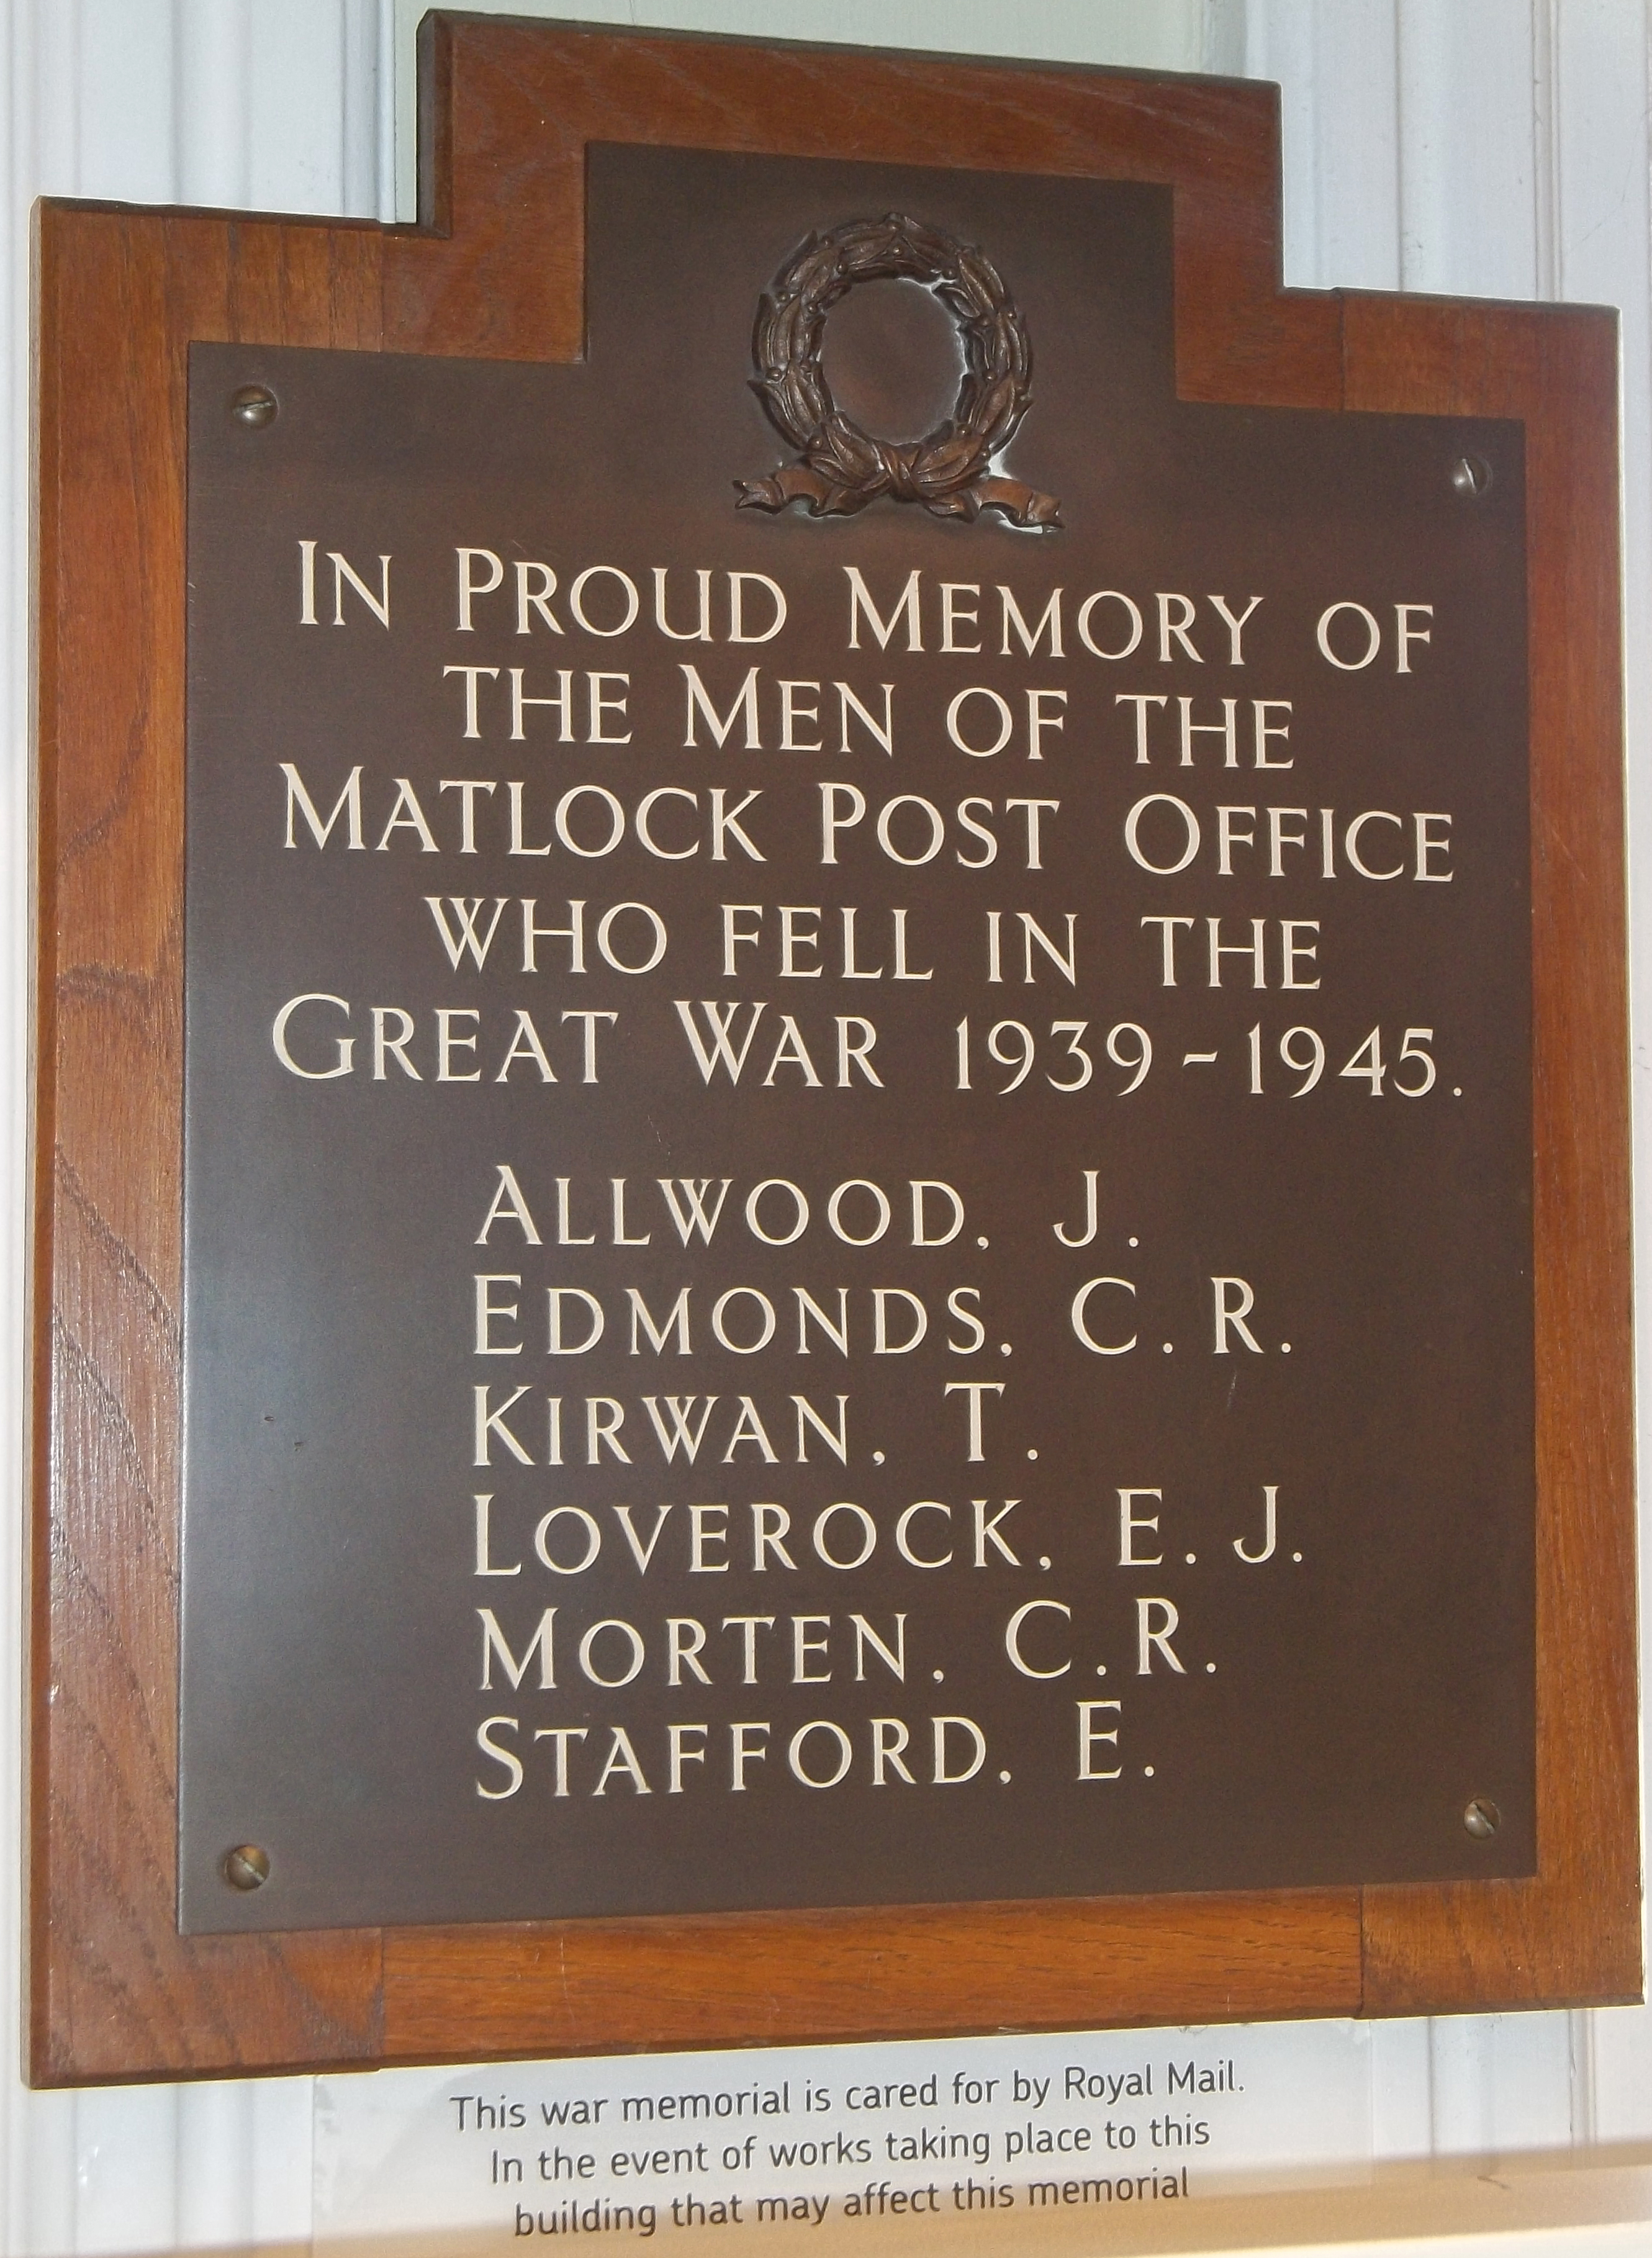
{"x": 858, "y": 1094}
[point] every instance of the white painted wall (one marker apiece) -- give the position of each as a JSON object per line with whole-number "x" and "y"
{"x": 1472, "y": 146}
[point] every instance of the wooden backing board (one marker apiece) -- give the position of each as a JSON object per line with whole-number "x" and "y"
{"x": 496, "y": 270}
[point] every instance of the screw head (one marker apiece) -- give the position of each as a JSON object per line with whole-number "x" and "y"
{"x": 255, "y": 405}
{"x": 246, "y": 1867}
{"x": 1472, "y": 474}
{"x": 1482, "y": 1818}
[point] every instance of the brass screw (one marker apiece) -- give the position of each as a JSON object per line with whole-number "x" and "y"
{"x": 1472, "y": 474}
{"x": 254, "y": 405}
{"x": 246, "y": 1867}
{"x": 1482, "y": 1818}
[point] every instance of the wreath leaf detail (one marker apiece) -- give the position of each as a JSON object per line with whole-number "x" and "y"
{"x": 841, "y": 466}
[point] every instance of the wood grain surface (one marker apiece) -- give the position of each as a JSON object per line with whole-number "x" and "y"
{"x": 496, "y": 269}
{"x": 918, "y": 1971}
{"x": 1573, "y": 1934}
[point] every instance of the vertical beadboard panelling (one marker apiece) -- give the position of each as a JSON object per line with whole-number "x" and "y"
{"x": 1401, "y": 2117}
{"x": 1467, "y": 146}
{"x": 312, "y": 125}
{"x": 1342, "y": 211}
{"x": 1281, "y": 44}
{"x": 126, "y": 2168}
{"x": 384, "y": 72}
{"x": 1498, "y": 2084}
{"x": 1460, "y": 2098}
{"x": 214, "y": 2152}
{"x": 282, "y": 2152}
{"x": 43, "y": 67}
{"x": 123, "y": 98}
{"x": 1355, "y": 146}
{"x": 360, "y": 24}
{"x": 212, "y": 100}
{"x": 1545, "y": 147}
{"x": 1614, "y": 2059}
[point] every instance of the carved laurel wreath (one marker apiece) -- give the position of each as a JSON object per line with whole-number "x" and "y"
{"x": 842, "y": 467}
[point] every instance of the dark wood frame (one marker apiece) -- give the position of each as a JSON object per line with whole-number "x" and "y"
{"x": 508, "y": 108}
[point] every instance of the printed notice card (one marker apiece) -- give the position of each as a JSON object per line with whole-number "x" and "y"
{"x": 858, "y": 1149}
{"x": 978, "y": 2142}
